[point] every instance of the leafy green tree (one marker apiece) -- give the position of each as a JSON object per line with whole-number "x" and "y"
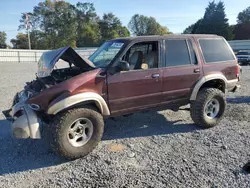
{"x": 59, "y": 23}
{"x": 56, "y": 19}
{"x": 21, "y": 41}
{"x": 111, "y": 27}
{"x": 194, "y": 28}
{"x": 214, "y": 21}
{"x": 222, "y": 25}
{"x": 189, "y": 29}
{"x": 37, "y": 38}
{"x": 3, "y": 40}
{"x": 242, "y": 28}
{"x": 164, "y": 30}
{"x": 88, "y": 33}
{"x": 244, "y": 16}
{"x": 141, "y": 25}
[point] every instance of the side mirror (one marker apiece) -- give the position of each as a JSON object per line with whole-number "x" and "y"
{"x": 101, "y": 75}
{"x": 123, "y": 66}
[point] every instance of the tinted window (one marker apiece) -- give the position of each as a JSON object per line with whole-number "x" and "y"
{"x": 177, "y": 53}
{"x": 192, "y": 53}
{"x": 215, "y": 50}
{"x": 146, "y": 55}
{"x": 144, "y": 48}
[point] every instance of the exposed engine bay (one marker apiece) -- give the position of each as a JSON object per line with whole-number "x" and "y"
{"x": 49, "y": 75}
{"x": 40, "y": 84}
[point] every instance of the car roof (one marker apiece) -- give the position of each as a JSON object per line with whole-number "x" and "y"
{"x": 156, "y": 37}
{"x": 244, "y": 51}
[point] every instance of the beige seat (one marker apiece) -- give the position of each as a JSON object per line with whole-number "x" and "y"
{"x": 150, "y": 59}
{"x": 135, "y": 60}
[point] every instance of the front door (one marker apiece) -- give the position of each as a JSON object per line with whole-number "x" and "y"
{"x": 182, "y": 70}
{"x": 140, "y": 87}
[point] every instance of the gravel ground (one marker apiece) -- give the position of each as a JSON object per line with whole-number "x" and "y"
{"x": 155, "y": 149}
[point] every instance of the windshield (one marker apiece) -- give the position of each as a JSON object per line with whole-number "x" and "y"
{"x": 243, "y": 53}
{"x": 106, "y": 53}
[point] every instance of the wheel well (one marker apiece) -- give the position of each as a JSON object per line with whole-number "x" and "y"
{"x": 216, "y": 83}
{"x": 85, "y": 103}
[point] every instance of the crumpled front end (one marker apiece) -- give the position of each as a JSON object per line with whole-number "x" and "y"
{"x": 24, "y": 121}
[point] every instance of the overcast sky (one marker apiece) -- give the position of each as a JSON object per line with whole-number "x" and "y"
{"x": 176, "y": 15}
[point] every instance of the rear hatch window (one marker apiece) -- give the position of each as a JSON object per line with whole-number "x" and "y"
{"x": 216, "y": 50}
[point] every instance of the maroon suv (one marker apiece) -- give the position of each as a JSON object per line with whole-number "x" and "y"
{"x": 123, "y": 76}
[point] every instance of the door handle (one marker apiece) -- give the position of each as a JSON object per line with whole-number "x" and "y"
{"x": 197, "y": 70}
{"x": 155, "y": 75}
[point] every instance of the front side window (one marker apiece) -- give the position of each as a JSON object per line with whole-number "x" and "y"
{"x": 177, "y": 53}
{"x": 143, "y": 55}
{"x": 103, "y": 56}
{"x": 215, "y": 50}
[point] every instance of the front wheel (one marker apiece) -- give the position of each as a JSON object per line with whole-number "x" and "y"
{"x": 75, "y": 133}
{"x": 209, "y": 107}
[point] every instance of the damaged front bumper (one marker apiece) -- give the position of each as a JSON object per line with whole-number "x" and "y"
{"x": 24, "y": 121}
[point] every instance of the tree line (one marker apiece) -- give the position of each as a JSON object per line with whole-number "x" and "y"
{"x": 60, "y": 23}
{"x": 215, "y": 21}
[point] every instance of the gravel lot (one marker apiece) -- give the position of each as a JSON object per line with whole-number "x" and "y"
{"x": 155, "y": 149}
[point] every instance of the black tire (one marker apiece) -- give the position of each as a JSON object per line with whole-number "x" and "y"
{"x": 58, "y": 131}
{"x": 198, "y": 107}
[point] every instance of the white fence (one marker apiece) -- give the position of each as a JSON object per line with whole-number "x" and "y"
{"x": 33, "y": 56}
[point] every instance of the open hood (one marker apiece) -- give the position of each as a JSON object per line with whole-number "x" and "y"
{"x": 50, "y": 58}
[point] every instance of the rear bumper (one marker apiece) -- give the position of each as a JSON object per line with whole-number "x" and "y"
{"x": 233, "y": 85}
{"x": 24, "y": 121}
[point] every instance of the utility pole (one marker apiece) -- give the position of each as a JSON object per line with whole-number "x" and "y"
{"x": 27, "y": 24}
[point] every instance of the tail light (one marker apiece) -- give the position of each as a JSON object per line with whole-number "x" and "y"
{"x": 238, "y": 71}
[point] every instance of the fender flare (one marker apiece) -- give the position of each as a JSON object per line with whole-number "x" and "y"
{"x": 79, "y": 98}
{"x": 205, "y": 79}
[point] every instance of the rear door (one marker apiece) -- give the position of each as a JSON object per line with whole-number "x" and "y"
{"x": 182, "y": 69}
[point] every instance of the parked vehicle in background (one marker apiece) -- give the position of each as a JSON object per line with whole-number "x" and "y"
{"x": 124, "y": 76}
{"x": 244, "y": 57}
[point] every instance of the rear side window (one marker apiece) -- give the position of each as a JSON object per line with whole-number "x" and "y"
{"x": 177, "y": 53}
{"x": 215, "y": 50}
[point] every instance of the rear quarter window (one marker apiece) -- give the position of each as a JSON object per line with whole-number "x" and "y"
{"x": 215, "y": 50}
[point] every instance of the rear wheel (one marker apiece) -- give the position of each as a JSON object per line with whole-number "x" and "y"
{"x": 75, "y": 133}
{"x": 209, "y": 107}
